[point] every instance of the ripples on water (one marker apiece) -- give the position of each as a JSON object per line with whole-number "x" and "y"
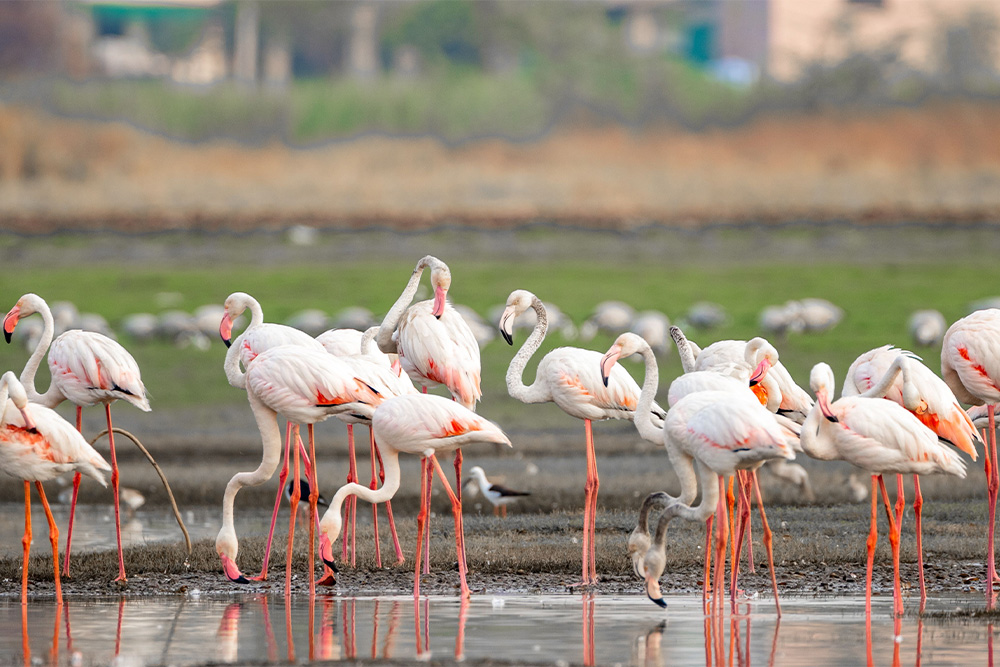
{"x": 543, "y": 629}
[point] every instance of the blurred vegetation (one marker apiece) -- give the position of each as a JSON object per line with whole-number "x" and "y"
{"x": 494, "y": 68}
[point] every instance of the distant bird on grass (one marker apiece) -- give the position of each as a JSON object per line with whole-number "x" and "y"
{"x": 499, "y": 496}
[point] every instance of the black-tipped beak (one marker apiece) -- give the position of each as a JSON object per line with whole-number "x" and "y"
{"x": 8, "y": 335}
{"x": 660, "y": 602}
{"x": 238, "y": 580}
{"x": 228, "y": 342}
{"x": 330, "y": 564}
{"x": 503, "y": 332}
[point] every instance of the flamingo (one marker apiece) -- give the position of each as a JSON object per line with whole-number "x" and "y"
{"x": 36, "y": 445}
{"x": 255, "y": 339}
{"x": 435, "y": 346}
{"x": 498, "y": 495}
{"x": 880, "y": 437}
{"x": 570, "y": 378}
{"x": 683, "y": 448}
{"x": 970, "y": 364}
{"x": 87, "y": 368}
{"x": 937, "y": 409}
{"x": 306, "y": 387}
{"x": 422, "y": 424}
{"x": 377, "y": 371}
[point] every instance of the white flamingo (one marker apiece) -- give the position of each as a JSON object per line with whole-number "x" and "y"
{"x": 570, "y": 377}
{"x": 87, "y": 368}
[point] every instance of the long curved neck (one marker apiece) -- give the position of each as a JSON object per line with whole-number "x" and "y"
{"x": 652, "y": 501}
{"x": 267, "y": 422}
{"x": 709, "y": 499}
{"x": 684, "y": 350}
{"x": 899, "y": 365}
{"x": 813, "y": 443}
{"x": 644, "y": 408}
{"x": 536, "y": 393}
{"x": 256, "y": 314}
{"x": 52, "y": 397}
{"x": 366, "y": 340}
{"x": 390, "y": 459}
{"x": 237, "y": 378}
{"x": 391, "y": 320}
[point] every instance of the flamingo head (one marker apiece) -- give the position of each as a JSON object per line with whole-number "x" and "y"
{"x": 653, "y": 565}
{"x": 763, "y": 355}
{"x": 226, "y": 329}
{"x": 625, "y": 345}
{"x": 441, "y": 282}
{"x": 518, "y": 302}
{"x": 821, "y": 381}
{"x": 329, "y": 531}
{"x": 226, "y": 546}
{"x": 10, "y": 321}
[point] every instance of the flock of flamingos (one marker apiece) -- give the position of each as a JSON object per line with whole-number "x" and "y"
{"x": 734, "y": 409}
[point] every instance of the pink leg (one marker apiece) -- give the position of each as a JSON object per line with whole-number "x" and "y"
{"x": 900, "y": 501}
{"x": 593, "y": 511}
{"x": 313, "y": 497}
{"x": 429, "y": 481}
{"x": 767, "y": 540}
{"x": 282, "y": 476}
{"x": 588, "y": 504}
{"x": 373, "y": 486}
{"x": 354, "y": 499}
{"x": 721, "y": 533}
{"x": 993, "y": 485}
{"x": 918, "y": 504}
{"x": 706, "y": 583}
{"x": 26, "y": 543}
{"x": 872, "y": 543}
{"x": 294, "y": 503}
{"x": 388, "y": 504}
{"x": 72, "y": 506}
{"x": 54, "y": 541}
{"x": 456, "y": 509}
{"x": 421, "y": 518}
{"x": 114, "y": 487}
{"x": 458, "y": 482}
{"x": 741, "y": 525}
{"x": 894, "y": 543}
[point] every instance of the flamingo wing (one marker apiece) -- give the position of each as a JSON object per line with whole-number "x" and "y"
{"x": 418, "y": 423}
{"x": 442, "y": 350}
{"x": 265, "y": 336}
{"x": 970, "y": 357}
{"x": 90, "y": 368}
{"x": 54, "y": 447}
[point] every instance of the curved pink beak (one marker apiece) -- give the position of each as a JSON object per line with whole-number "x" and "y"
{"x": 439, "y": 299}
{"x": 608, "y": 361}
{"x": 326, "y": 552}
{"x": 759, "y": 372}
{"x": 232, "y": 572}
{"x": 226, "y": 329}
{"x": 824, "y": 406}
{"x": 10, "y": 322}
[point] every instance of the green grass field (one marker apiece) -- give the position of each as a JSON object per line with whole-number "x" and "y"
{"x": 877, "y": 299}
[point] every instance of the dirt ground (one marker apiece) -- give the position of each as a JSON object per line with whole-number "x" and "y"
{"x": 938, "y": 162}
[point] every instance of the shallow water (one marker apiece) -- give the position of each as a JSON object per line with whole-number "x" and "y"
{"x": 541, "y": 629}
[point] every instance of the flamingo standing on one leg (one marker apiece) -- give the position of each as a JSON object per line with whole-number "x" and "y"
{"x": 37, "y": 444}
{"x": 435, "y": 346}
{"x": 306, "y": 387}
{"x": 970, "y": 364}
{"x": 878, "y": 436}
{"x": 415, "y": 424}
{"x": 570, "y": 377}
{"x": 935, "y": 406}
{"x": 87, "y": 368}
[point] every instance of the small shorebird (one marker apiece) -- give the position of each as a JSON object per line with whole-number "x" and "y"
{"x": 499, "y": 496}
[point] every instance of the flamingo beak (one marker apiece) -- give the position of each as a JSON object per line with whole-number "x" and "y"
{"x": 653, "y": 592}
{"x": 232, "y": 572}
{"x": 10, "y": 322}
{"x": 439, "y": 300}
{"x": 226, "y": 329}
{"x": 507, "y": 325}
{"x": 608, "y": 361}
{"x": 824, "y": 405}
{"x": 760, "y": 371}
{"x": 326, "y": 552}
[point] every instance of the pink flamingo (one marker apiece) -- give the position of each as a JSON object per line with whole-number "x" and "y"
{"x": 415, "y": 424}
{"x": 570, "y": 377}
{"x": 37, "y": 444}
{"x": 87, "y": 368}
{"x": 258, "y": 337}
{"x": 435, "y": 346}
{"x": 683, "y": 447}
{"x": 970, "y": 364}
{"x": 880, "y": 437}
{"x": 306, "y": 387}
{"x": 936, "y": 407}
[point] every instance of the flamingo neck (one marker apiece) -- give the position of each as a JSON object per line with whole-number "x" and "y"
{"x": 537, "y": 392}
{"x": 684, "y": 351}
{"x": 709, "y": 499}
{"x": 880, "y": 388}
{"x": 332, "y": 522}
{"x": 52, "y": 397}
{"x": 644, "y": 408}
{"x": 237, "y": 378}
{"x": 815, "y": 439}
{"x": 366, "y": 340}
{"x": 256, "y": 313}
{"x": 391, "y": 320}
{"x": 267, "y": 422}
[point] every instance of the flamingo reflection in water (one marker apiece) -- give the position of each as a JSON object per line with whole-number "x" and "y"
{"x": 716, "y": 650}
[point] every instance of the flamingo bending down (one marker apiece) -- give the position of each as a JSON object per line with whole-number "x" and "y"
{"x": 970, "y": 364}
{"x": 880, "y": 437}
{"x": 37, "y": 444}
{"x": 750, "y": 423}
{"x": 258, "y": 337}
{"x": 570, "y": 377}
{"x": 306, "y": 387}
{"x": 435, "y": 346}
{"x": 87, "y": 368}
{"x": 933, "y": 403}
{"x": 415, "y": 424}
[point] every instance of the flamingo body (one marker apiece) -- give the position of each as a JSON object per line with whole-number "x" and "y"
{"x": 90, "y": 368}
{"x": 970, "y": 357}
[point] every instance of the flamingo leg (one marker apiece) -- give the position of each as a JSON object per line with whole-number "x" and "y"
{"x": 26, "y": 543}
{"x": 894, "y": 543}
{"x": 313, "y": 498}
{"x": 918, "y": 504}
{"x": 768, "y": 540}
{"x": 388, "y": 504}
{"x": 429, "y": 481}
{"x": 282, "y": 476}
{"x": 373, "y": 486}
{"x": 872, "y": 543}
{"x": 458, "y": 485}
{"x": 993, "y": 485}
{"x": 744, "y": 521}
{"x": 589, "y": 510}
{"x": 114, "y": 487}
{"x": 593, "y": 505}
{"x": 721, "y": 535}
{"x": 730, "y": 505}
{"x": 421, "y": 518}
{"x": 76, "y": 490}
{"x": 53, "y": 539}
{"x": 294, "y": 503}
{"x": 456, "y": 508}
{"x": 749, "y": 533}
{"x": 354, "y": 499}
{"x": 706, "y": 583}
